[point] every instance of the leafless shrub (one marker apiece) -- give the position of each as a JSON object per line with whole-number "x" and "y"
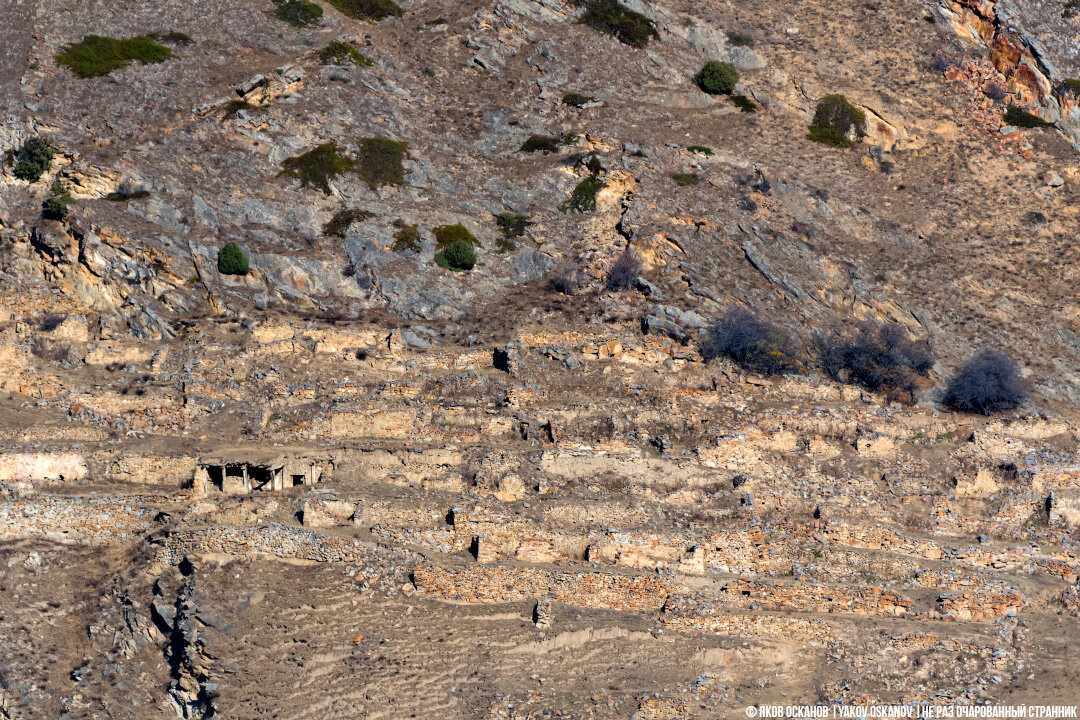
{"x": 879, "y": 356}
{"x": 568, "y": 279}
{"x": 612, "y": 482}
{"x": 50, "y": 350}
{"x": 750, "y": 341}
{"x": 988, "y": 383}
{"x": 624, "y": 271}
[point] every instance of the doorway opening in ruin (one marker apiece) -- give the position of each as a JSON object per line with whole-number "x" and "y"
{"x": 260, "y": 477}
{"x": 298, "y": 480}
{"x": 216, "y": 475}
{"x": 234, "y": 481}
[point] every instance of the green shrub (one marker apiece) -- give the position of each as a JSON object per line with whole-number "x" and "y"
{"x": 457, "y": 256}
{"x": 700, "y": 150}
{"x": 380, "y": 161}
{"x": 1018, "y": 117}
{"x": 447, "y": 235}
{"x": 407, "y": 237}
{"x": 717, "y": 78}
{"x": 829, "y": 136}
{"x": 340, "y": 53}
{"x": 231, "y": 260}
{"x": 1072, "y": 84}
{"x": 609, "y": 17}
{"x": 367, "y": 9}
{"x": 339, "y": 224}
{"x": 512, "y": 224}
{"x": 317, "y": 167}
{"x": 33, "y": 158}
{"x": 576, "y": 99}
{"x": 56, "y": 207}
{"x": 738, "y": 39}
{"x": 685, "y": 179}
{"x": 300, "y": 13}
{"x": 835, "y": 120}
{"x": 570, "y": 138}
{"x": 95, "y": 55}
{"x": 545, "y": 143}
{"x": 583, "y": 196}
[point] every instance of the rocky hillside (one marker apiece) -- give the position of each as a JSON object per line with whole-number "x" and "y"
{"x": 377, "y": 360}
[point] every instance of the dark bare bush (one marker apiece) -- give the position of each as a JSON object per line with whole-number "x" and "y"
{"x": 50, "y": 350}
{"x": 878, "y": 356}
{"x": 625, "y": 270}
{"x": 750, "y": 341}
{"x": 612, "y": 482}
{"x": 568, "y": 279}
{"x": 942, "y": 61}
{"x": 990, "y": 382}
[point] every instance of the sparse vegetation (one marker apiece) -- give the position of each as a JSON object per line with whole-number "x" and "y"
{"x": 300, "y": 13}
{"x": 744, "y": 104}
{"x": 541, "y": 143}
{"x": 234, "y": 106}
{"x": 685, "y": 179}
{"x": 379, "y": 161}
{"x": 338, "y": 225}
{"x": 738, "y": 39}
{"x": 1073, "y": 84}
{"x": 56, "y": 207}
{"x": 374, "y": 10}
{"x": 125, "y": 192}
{"x": 407, "y": 237}
{"x": 942, "y": 61}
{"x": 1018, "y": 117}
{"x": 576, "y": 99}
{"x": 96, "y": 55}
{"x": 836, "y": 121}
{"x": 317, "y": 167}
{"x": 583, "y": 197}
{"x": 878, "y": 356}
{"x": 457, "y": 256}
{"x": 231, "y": 260}
{"x": 990, "y": 382}
{"x": 625, "y": 270}
{"x": 700, "y": 150}
{"x": 33, "y": 158}
{"x": 753, "y": 343}
{"x": 340, "y": 52}
{"x": 717, "y": 78}
{"x": 609, "y": 17}
{"x": 447, "y": 235}
{"x": 175, "y": 38}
